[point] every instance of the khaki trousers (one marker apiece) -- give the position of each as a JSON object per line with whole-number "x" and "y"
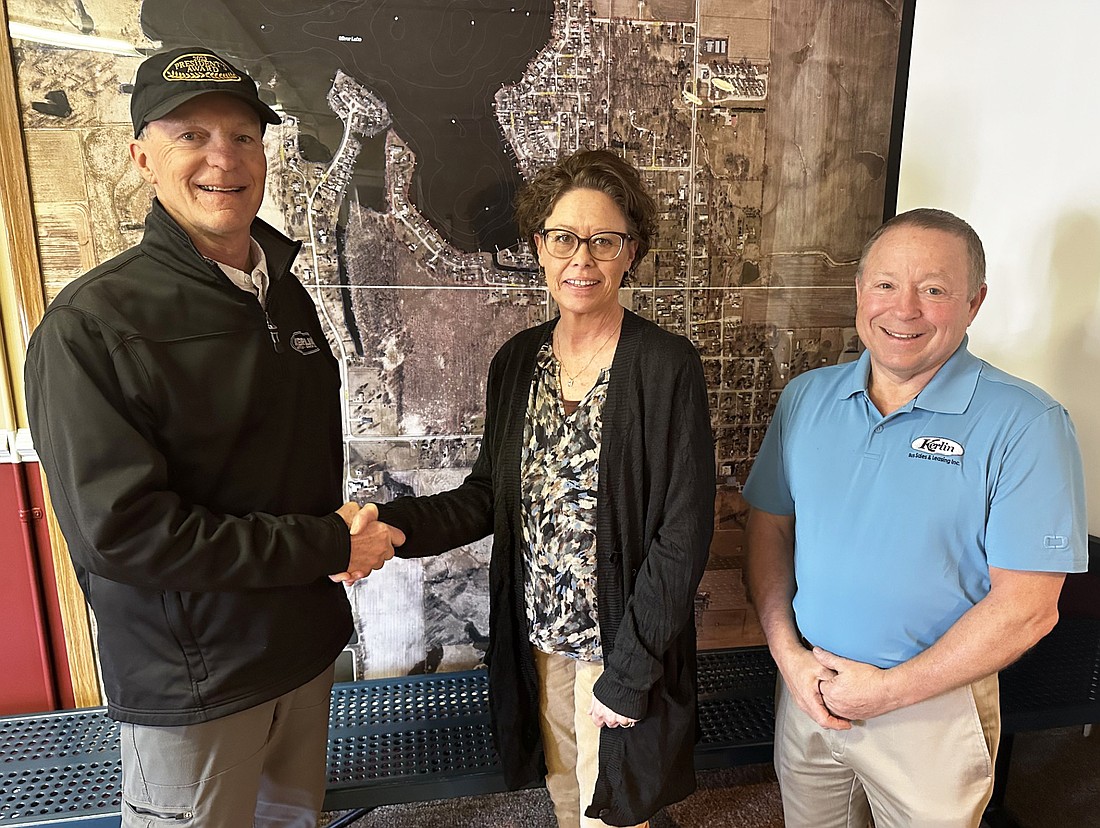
{"x": 570, "y": 740}
{"x": 925, "y": 766}
{"x": 264, "y": 766}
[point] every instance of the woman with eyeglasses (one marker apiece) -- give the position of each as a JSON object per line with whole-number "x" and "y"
{"x": 596, "y": 479}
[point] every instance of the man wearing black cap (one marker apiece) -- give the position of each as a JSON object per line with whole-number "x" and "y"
{"x": 185, "y": 407}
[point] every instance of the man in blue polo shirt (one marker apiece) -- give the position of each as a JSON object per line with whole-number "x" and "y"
{"x": 939, "y": 504}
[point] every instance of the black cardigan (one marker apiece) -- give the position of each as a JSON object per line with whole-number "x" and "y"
{"x": 654, "y": 520}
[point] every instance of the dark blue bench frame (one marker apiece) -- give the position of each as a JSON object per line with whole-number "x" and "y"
{"x": 418, "y": 738}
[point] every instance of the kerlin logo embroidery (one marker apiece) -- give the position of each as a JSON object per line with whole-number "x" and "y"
{"x": 302, "y": 342}
{"x": 199, "y": 68}
{"x": 940, "y": 449}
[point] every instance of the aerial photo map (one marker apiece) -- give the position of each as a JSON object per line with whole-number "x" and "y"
{"x": 761, "y": 126}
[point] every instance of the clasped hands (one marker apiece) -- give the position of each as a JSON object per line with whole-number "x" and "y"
{"x": 372, "y": 541}
{"x": 836, "y": 691}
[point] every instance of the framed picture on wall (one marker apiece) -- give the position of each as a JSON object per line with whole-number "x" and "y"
{"x": 766, "y": 130}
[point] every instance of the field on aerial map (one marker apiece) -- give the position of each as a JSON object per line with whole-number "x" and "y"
{"x": 762, "y": 129}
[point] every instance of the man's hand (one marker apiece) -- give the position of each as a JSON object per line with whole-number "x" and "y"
{"x": 805, "y": 676}
{"x": 856, "y": 690}
{"x": 372, "y": 541}
{"x": 348, "y": 511}
{"x": 604, "y": 716}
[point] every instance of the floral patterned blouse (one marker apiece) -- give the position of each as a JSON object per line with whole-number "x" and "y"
{"x": 560, "y": 475}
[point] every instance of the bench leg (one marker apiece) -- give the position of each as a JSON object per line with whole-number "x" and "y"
{"x": 348, "y": 818}
{"x": 996, "y": 815}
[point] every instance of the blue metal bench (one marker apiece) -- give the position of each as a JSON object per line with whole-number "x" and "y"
{"x": 407, "y": 739}
{"x": 417, "y": 738}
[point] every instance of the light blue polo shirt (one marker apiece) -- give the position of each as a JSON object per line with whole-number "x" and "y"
{"x": 899, "y": 518}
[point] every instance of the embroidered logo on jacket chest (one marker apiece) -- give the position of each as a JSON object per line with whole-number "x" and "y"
{"x": 302, "y": 342}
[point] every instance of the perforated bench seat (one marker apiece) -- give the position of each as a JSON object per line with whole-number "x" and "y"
{"x": 416, "y": 738}
{"x": 428, "y": 737}
{"x": 60, "y": 769}
{"x": 1057, "y": 683}
{"x": 406, "y": 739}
{"x": 410, "y": 739}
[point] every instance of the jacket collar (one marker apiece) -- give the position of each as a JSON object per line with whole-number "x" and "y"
{"x": 165, "y": 241}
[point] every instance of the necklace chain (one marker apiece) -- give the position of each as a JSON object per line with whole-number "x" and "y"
{"x": 570, "y": 378}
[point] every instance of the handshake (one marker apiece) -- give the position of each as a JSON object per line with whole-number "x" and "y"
{"x": 372, "y": 542}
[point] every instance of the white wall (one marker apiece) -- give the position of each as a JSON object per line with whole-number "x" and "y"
{"x": 1002, "y": 127}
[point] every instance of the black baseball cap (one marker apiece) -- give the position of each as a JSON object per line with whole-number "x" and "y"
{"x": 168, "y": 79}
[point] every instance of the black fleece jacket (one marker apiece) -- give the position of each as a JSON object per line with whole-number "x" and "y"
{"x": 654, "y": 520}
{"x": 195, "y": 465}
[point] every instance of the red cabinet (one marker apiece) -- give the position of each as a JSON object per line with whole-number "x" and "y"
{"x": 34, "y": 674}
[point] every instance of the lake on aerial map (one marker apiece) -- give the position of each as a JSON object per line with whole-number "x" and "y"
{"x": 436, "y": 64}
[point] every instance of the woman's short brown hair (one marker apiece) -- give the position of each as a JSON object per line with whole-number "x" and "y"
{"x": 586, "y": 169}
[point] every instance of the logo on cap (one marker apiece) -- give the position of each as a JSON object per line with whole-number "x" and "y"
{"x": 199, "y": 67}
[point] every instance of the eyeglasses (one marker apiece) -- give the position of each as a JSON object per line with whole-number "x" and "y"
{"x": 562, "y": 244}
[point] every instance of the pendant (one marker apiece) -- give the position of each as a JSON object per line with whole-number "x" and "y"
{"x": 569, "y": 383}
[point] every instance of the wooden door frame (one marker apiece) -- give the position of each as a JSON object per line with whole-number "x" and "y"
{"x": 23, "y": 301}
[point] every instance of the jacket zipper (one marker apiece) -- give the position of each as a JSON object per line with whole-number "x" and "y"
{"x": 272, "y": 328}
{"x": 273, "y": 332}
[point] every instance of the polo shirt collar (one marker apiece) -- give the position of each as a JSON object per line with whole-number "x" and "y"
{"x": 952, "y": 387}
{"x": 858, "y": 377}
{"x": 948, "y": 392}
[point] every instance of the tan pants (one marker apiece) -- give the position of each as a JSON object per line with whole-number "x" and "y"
{"x": 264, "y": 766}
{"x": 570, "y": 740}
{"x": 925, "y": 766}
